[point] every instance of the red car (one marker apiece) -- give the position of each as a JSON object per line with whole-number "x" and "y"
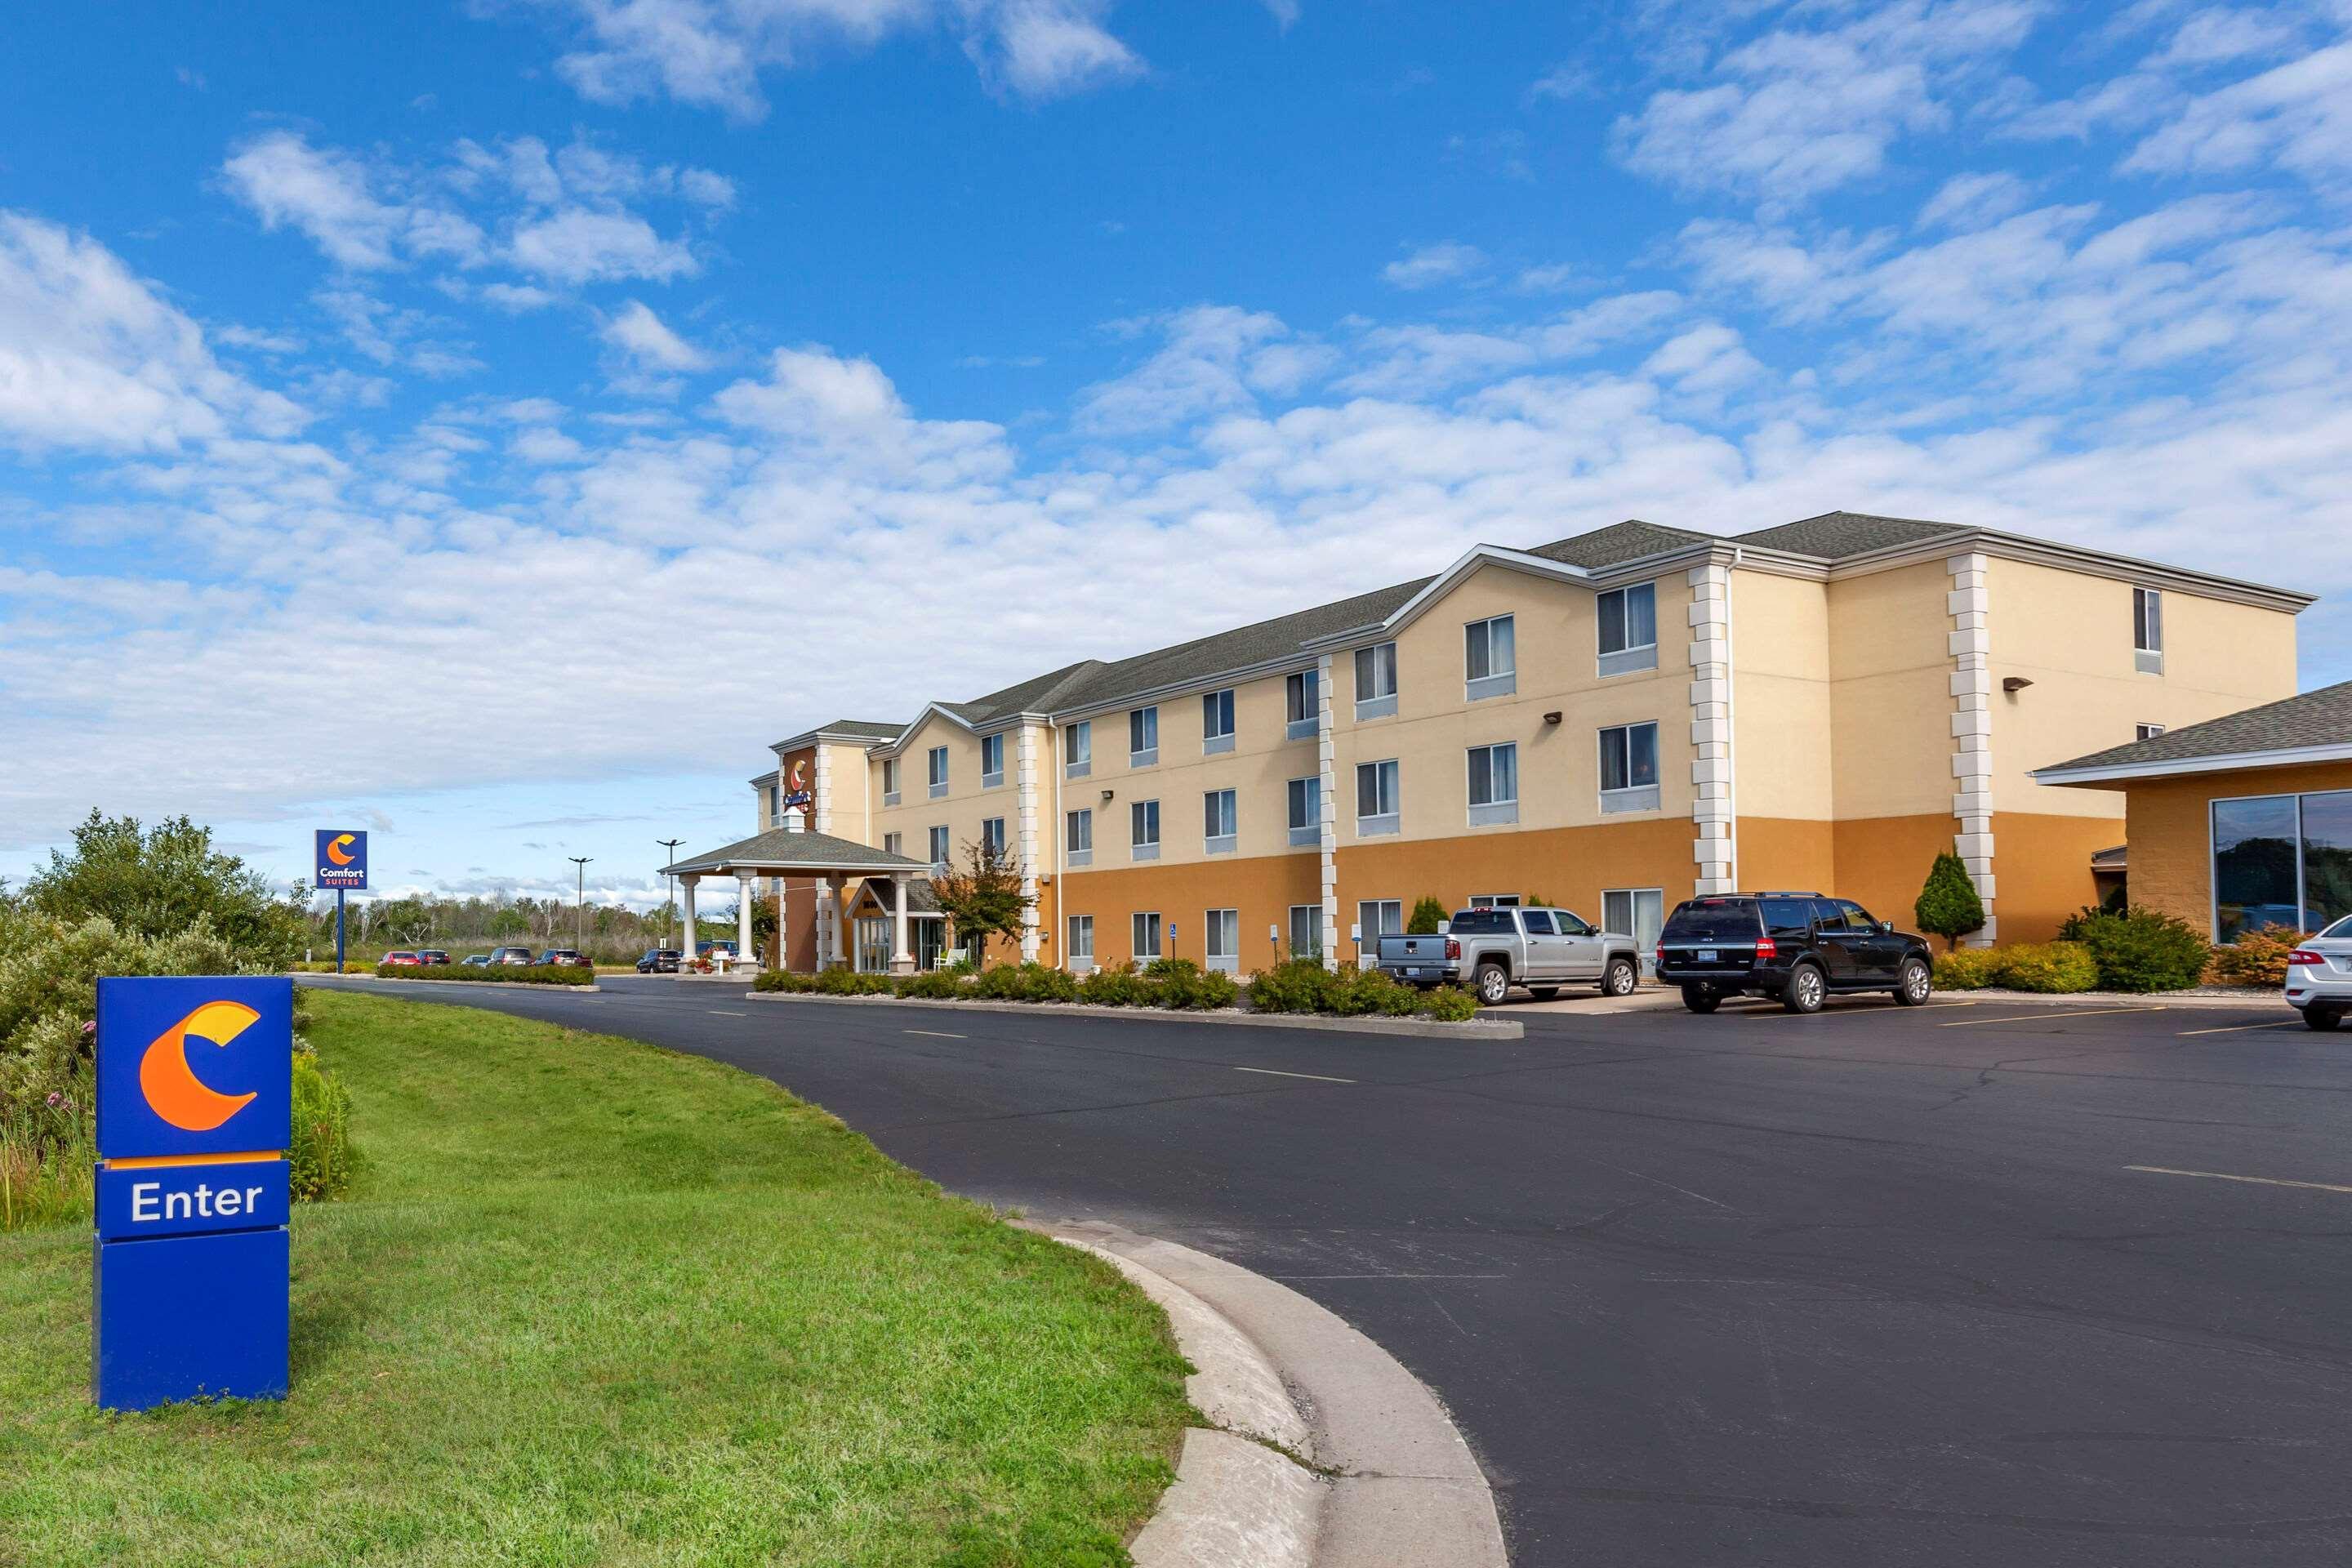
{"x": 402, "y": 960}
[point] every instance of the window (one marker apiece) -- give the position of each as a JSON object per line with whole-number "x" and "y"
{"x": 1494, "y": 900}
{"x": 1629, "y": 628}
{"x": 991, "y": 760}
{"x": 1783, "y": 918}
{"x": 939, "y": 848}
{"x": 1483, "y": 923}
{"x": 2281, "y": 859}
{"x": 1376, "y": 682}
{"x": 1221, "y": 939}
{"x": 890, "y": 766}
{"x": 2147, "y": 630}
{"x": 1494, "y": 784}
{"x": 992, "y": 835}
{"x": 776, "y": 803}
{"x": 1080, "y": 953}
{"x": 938, "y": 762}
{"x": 1629, "y": 768}
{"x": 1377, "y": 917}
{"x": 1078, "y": 836}
{"x": 1143, "y": 818}
{"x": 1376, "y": 798}
{"x": 1217, "y": 722}
{"x": 2147, "y": 732}
{"x": 1305, "y": 811}
{"x": 890, "y": 842}
{"x": 1143, "y": 737}
{"x": 1302, "y": 703}
{"x": 1490, "y": 658}
{"x": 1306, "y": 931}
{"x": 1537, "y": 922}
{"x": 1147, "y": 936}
{"x": 1218, "y": 821}
{"x": 1079, "y": 744}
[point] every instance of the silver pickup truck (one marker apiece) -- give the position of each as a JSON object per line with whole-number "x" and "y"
{"x": 1494, "y": 949}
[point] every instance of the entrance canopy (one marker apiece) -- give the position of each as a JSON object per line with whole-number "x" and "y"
{"x": 783, "y": 852}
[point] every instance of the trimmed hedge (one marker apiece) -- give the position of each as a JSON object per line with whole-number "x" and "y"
{"x": 2256, "y": 957}
{"x": 1968, "y": 969}
{"x": 1176, "y": 984}
{"x": 508, "y": 974}
{"x": 2048, "y": 966}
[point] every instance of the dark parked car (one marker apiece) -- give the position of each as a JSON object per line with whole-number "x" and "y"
{"x": 566, "y": 958}
{"x": 431, "y": 955}
{"x": 475, "y": 961}
{"x": 1794, "y": 947}
{"x": 520, "y": 955}
{"x": 658, "y": 961}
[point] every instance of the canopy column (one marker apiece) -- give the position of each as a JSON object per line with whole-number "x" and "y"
{"x": 743, "y": 880}
{"x": 837, "y": 948}
{"x": 902, "y": 957}
{"x": 685, "y": 886}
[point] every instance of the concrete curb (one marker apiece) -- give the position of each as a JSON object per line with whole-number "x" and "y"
{"x": 1401, "y": 1489}
{"x": 2255, "y": 998}
{"x": 462, "y": 985}
{"x": 1426, "y": 1029}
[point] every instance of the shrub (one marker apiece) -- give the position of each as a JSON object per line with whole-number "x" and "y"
{"x": 1373, "y": 991}
{"x": 2256, "y": 957}
{"x": 2049, "y": 966}
{"x": 2141, "y": 950}
{"x": 321, "y": 1157}
{"x": 1300, "y": 985}
{"x": 1044, "y": 983}
{"x": 1452, "y": 1005}
{"x": 784, "y": 980}
{"x": 1968, "y": 969}
{"x": 1948, "y": 905}
{"x": 1428, "y": 914}
{"x": 496, "y": 974}
{"x": 931, "y": 985}
{"x": 1005, "y": 983}
{"x": 1114, "y": 985}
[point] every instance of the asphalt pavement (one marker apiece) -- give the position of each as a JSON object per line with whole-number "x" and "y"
{"x": 1981, "y": 1283}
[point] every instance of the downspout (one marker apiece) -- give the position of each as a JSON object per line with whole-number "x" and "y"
{"x": 1731, "y": 705}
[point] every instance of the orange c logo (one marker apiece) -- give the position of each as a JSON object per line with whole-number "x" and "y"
{"x": 797, "y": 780}
{"x": 175, "y": 1094}
{"x": 338, "y": 850}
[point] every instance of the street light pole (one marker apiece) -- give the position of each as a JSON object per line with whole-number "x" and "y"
{"x": 669, "y": 888}
{"x": 579, "y": 904}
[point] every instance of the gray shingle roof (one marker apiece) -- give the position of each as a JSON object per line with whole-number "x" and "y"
{"x": 921, "y": 901}
{"x": 1627, "y": 541}
{"x": 782, "y": 846}
{"x": 872, "y": 729}
{"x": 2321, "y": 717}
{"x": 1836, "y": 535}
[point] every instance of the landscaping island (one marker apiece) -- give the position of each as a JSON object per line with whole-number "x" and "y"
{"x": 592, "y": 1302}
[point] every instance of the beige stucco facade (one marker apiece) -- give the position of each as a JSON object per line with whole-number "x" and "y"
{"x": 1815, "y": 726}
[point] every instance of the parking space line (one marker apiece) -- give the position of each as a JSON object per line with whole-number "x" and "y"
{"x": 1853, "y": 1012}
{"x": 723, "y": 1013}
{"x": 2043, "y": 1017}
{"x": 2225, "y": 1177}
{"x": 935, "y": 1033}
{"x": 2241, "y": 1028}
{"x": 1317, "y": 1077}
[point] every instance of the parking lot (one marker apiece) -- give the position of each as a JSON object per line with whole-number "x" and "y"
{"x": 1985, "y": 1281}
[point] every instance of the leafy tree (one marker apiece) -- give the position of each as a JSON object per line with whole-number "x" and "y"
{"x": 160, "y": 883}
{"x": 1428, "y": 914}
{"x": 403, "y": 921}
{"x": 986, "y": 901}
{"x": 1948, "y": 905}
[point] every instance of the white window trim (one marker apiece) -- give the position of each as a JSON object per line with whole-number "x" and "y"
{"x": 1494, "y": 813}
{"x": 1159, "y": 935}
{"x": 2147, "y": 660}
{"x": 1301, "y": 729}
{"x": 1225, "y": 962}
{"x": 1632, "y": 798}
{"x": 1080, "y": 767}
{"x": 1380, "y": 824}
{"x": 1148, "y": 755}
{"x": 1309, "y": 834}
{"x": 1078, "y": 962}
{"x": 1313, "y": 913}
{"x": 1495, "y": 682}
{"x": 1633, "y": 657}
{"x": 1382, "y": 704}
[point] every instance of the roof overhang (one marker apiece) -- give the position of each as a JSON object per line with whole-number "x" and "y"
{"x": 940, "y": 710}
{"x": 2111, "y": 773}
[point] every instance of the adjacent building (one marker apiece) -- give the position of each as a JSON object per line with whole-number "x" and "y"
{"x": 1613, "y": 722}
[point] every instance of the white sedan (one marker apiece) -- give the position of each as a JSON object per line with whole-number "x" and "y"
{"x": 2319, "y": 976}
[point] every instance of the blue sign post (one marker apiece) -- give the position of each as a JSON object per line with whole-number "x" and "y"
{"x": 341, "y": 864}
{"x": 195, "y": 1111}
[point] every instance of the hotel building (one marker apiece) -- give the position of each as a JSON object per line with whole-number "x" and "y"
{"x": 1611, "y": 722}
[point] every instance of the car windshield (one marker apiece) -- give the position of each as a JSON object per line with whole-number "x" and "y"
{"x": 1483, "y": 922}
{"x": 2342, "y": 928}
{"x": 1712, "y": 919}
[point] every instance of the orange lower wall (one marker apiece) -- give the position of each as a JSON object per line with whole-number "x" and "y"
{"x": 1263, "y": 887}
{"x": 2042, "y": 869}
{"x": 2169, "y": 822}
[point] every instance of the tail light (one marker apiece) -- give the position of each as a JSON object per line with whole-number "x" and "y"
{"x": 2305, "y": 956}
{"x": 1661, "y": 955}
{"x": 1766, "y": 948}
{"x": 1453, "y": 949}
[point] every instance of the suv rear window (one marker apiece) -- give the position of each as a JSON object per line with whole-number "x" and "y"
{"x": 1485, "y": 923}
{"x": 1712, "y": 919}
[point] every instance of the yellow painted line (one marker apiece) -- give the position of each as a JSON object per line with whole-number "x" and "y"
{"x": 2241, "y": 1028}
{"x": 2225, "y": 1177}
{"x": 934, "y": 1034}
{"x": 2045, "y": 1017}
{"x": 141, "y": 1161}
{"x": 1317, "y": 1077}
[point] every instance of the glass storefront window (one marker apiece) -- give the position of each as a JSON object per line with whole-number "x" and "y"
{"x": 2326, "y": 858}
{"x": 2253, "y": 865}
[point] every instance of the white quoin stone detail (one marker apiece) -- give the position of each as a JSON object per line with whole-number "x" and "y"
{"x": 1328, "y": 829}
{"x": 1971, "y": 641}
{"x": 1714, "y": 851}
{"x": 1026, "y": 841}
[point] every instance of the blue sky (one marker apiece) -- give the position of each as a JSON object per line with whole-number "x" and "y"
{"x": 494, "y": 424}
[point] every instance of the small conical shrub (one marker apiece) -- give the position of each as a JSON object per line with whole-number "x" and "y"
{"x": 1949, "y": 905}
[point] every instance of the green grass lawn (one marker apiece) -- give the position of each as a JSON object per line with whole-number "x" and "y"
{"x": 597, "y": 1303}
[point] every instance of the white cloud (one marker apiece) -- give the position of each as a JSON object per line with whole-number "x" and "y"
{"x": 331, "y": 196}
{"x": 710, "y": 54}
{"x": 637, "y": 332}
{"x": 1970, "y": 201}
{"x": 2296, "y": 117}
{"x": 576, "y": 246}
{"x": 92, "y": 357}
{"x": 1434, "y": 264}
{"x": 1208, "y": 363}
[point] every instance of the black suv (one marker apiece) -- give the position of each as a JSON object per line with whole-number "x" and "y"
{"x": 1799, "y": 947}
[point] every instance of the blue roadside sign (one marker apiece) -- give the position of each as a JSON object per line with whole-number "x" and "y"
{"x": 341, "y": 860}
{"x": 192, "y": 1253}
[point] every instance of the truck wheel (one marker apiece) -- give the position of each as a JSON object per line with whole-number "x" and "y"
{"x": 1494, "y": 984}
{"x": 1699, "y": 999}
{"x": 1912, "y": 988}
{"x": 1806, "y": 991}
{"x": 1621, "y": 978}
{"x": 1543, "y": 993}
